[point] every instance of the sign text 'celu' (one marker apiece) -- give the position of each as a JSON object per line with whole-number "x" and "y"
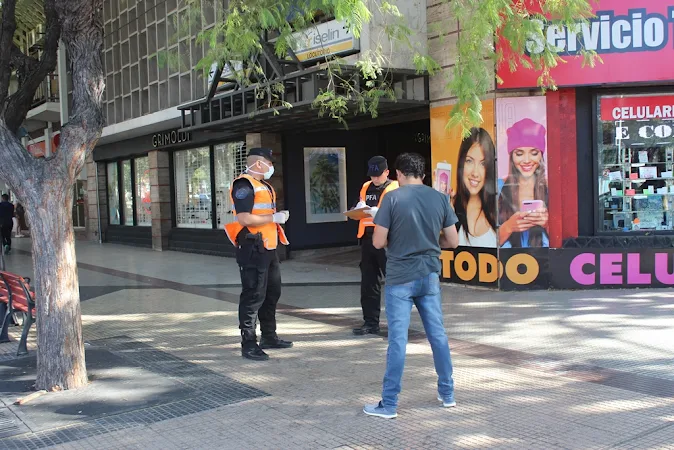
{"x": 621, "y": 269}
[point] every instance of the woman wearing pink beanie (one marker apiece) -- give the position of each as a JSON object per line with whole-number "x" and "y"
{"x": 527, "y": 181}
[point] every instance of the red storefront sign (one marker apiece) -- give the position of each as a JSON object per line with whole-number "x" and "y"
{"x": 38, "y": 150}
{"x": 634, "y": 39}
{"x": 637, "y": 108}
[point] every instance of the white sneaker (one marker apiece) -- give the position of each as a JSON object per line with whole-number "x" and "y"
{"x": 447, "y": 403}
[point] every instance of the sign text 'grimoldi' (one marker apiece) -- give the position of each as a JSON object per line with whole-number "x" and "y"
{"x": 170, "y": 138}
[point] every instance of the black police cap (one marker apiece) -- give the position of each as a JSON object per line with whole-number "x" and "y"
{"x": 264, "y": 152}
{"x": 376, "y": 166}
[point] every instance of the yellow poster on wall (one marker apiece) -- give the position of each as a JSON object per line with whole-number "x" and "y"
{"x": 445, "y": 143}
{"x": 465, "y": 168}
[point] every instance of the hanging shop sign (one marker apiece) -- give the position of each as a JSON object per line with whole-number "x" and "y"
{"x": 167, "y": 138}
{"x": 644, "y": 107}
{"x": 623, "y": 35}
{"x": 640, "y": 120}
{"x": 331, "y": 38}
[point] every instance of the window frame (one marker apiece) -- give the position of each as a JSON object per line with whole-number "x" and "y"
{"x": 174, "y": 195}
{"x": 120, "y": 186}
{"x": 597, "y": 139}
{"x": 173, "y": 184}
{"x": 135, "y": 190}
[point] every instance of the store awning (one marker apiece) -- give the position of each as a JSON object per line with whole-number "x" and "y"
{"x": 240, "y": 110}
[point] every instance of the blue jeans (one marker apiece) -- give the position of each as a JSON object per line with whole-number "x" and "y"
{"x": 425, "y": 294}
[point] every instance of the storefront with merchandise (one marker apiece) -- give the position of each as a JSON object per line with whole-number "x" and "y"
{"x": 192, "y": 187}
{"x": 577, "y": 185}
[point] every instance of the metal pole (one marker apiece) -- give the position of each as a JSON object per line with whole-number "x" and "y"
{"x": 98, "y": 205}
{"x": 2, "y": 258}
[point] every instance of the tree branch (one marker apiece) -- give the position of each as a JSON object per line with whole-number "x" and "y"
{"x": 7, "y": 30}
{"x": 82, "y": 34}
{"x": 19, "y": 103}
{"x": 22, "y": 63}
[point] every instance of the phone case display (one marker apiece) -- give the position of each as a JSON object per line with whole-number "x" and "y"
{"x": 636, "y": 187}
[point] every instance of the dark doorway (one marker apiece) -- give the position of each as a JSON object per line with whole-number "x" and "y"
{"x": 362, "y": 144}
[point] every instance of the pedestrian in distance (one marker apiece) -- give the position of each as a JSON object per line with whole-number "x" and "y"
{"x": 372, "y": 260}
{"x": 6, "y": 222}
{"x": 21, "y": 225}
{"x": 413, "y": 223}
{"x": 256, "y": 234}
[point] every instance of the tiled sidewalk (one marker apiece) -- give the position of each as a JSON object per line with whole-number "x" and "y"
{"x": 540, "y": 370}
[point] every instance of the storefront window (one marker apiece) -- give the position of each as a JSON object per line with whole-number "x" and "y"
{"x": 127, "y": 192}
{"x": 230, "y": 162}
{"x": 143, "y": 201}
{"x": 193, "y": 188}
{"x": 113, "y": 194}
{"x": 78, "y": 204}
{"x": 636, "y": 145}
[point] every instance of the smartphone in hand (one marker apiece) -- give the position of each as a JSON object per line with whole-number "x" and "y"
{"x": 531, "y": 205}
{"x": 443, "y": 177}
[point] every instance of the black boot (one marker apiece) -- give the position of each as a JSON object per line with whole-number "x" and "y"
{"x": 249, "y": 347}
{"x": 273, "y": 341}
{"x": 367, "y": 328}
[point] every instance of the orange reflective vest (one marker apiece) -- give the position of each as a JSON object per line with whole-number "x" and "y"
{"x": 369, "y": 221}
{"x": 264, "y": 205}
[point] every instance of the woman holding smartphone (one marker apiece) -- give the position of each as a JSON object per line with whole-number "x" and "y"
{"x": 475, "y": 198}
{"x": 523, "y": 211}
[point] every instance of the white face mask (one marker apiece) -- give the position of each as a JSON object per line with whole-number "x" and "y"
{"x": 267, "y": 175}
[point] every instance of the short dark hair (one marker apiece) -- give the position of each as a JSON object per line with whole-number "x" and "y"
{"x": 411, "y": 165}
{"x": 5, "y": 197}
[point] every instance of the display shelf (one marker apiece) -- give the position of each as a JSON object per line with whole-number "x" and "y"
{"x": 640, "y": 211}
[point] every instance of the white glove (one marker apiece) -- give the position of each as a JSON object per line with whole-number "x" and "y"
{"x": 281, "y": 217}
{"x": 372, "y": 211}
{"x": 361, "y": 205}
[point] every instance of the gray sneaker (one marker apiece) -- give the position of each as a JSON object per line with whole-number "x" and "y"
{"x": 380, "y": 410}
{"x": 447, "y": 402}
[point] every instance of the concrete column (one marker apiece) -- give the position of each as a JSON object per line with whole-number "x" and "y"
{"x": 47, "y": 141}
{"x": 274, "y": 142}
{"x": 62, "y": 68}
{"x": 160, "y": 194}
{"x": 96, "y": 209}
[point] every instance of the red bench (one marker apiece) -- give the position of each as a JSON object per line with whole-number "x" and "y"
{"x": 16, "y": 297}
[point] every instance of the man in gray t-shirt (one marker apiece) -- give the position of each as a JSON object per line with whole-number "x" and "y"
{"x": 414, "y": 222}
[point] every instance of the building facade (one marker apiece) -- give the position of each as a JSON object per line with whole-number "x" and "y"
{"x": 173, "y": 145}
{"x": 596, "y": 156}
{"x": 575, "y": 189}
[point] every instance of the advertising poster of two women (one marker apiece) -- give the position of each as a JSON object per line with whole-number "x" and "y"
{"x": 496, "y": 177}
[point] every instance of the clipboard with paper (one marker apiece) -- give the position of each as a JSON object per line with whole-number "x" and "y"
{"x": 357, "y": 213}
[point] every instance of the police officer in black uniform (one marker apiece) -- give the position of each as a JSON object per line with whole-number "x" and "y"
{"x": 254, "y": 233}
{"x": 373, "y": 261}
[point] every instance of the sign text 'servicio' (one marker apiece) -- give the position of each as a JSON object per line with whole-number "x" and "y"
{"x": 634, "y": 40}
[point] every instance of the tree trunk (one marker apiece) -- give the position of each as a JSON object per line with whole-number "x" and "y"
{"x": 44, "y": 186}
{"x": 60, "y": 347}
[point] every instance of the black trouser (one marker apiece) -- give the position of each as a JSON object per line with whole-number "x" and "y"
{"x": 6, "y": 230}
{"x": 261, "y": 289}
{"x": 372, "y": 270}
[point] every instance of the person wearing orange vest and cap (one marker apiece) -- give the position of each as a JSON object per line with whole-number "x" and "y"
{"x": 373, "y": 261}
{"x": 256, "y": 234}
